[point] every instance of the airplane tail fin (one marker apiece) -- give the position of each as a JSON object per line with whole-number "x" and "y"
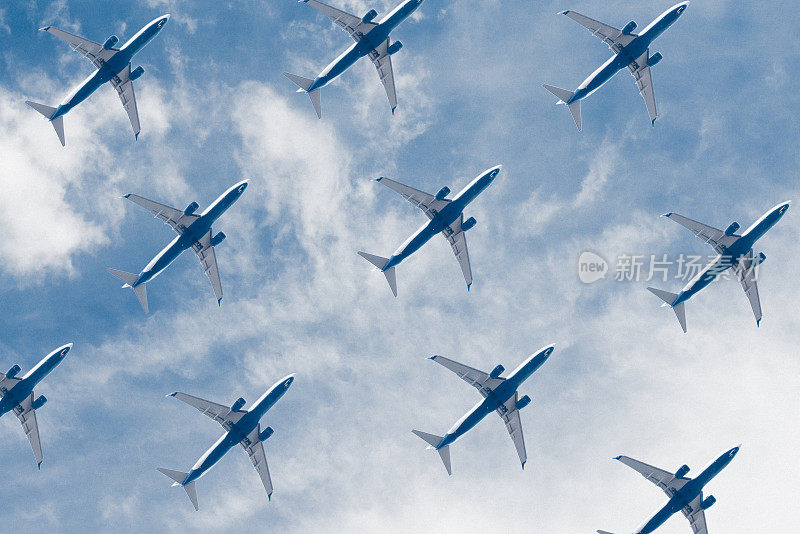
{"x": 48, "y": 112}
{"x": 563, "y": 95}
{"x": 304, "y": 84}
{"x": 130, "y": 279}
{"x": 434, "y": 440}
{"x": 179, "y": 477}
{"x": 379, "y": 262}
{"x": 669, "y": 298}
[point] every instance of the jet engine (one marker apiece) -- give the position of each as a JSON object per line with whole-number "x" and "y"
{"x": 238, "y": 404}
{"x": 370, "y": 15}
{"x": 394, "y": 47}
{"x": 13, "y": 371}
{"x": 469, "y": 223}
{"x": 191, "y": 208}
{"x": 730, "y": 230}
{"x": 264, "y": 434}
{"x": 497, "y": 371}
{"x": 443, "y": 192}
{"x": 629, "y": 27}
{"x": 38, "y": 402}
{"x": 110, "y": 42}
{"x": 759, "y": 259}
{"x": 137, "y": 72}
{"x": 524, "y": 401}
{"x": 218, "y": 238}
{"x": 655, "y": 58}
{"x": 708, "y": 502}
{"x": 682, "y": 471}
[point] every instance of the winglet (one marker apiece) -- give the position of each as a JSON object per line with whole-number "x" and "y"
{"x": 172, "y": 394}
{"x": 666, "y": 214}
{"x": 39, "y": 465}
{"x": 523, "y": 465}
{"x": 45, "y": 28}
{"x": 468, "y": 286}
{"x": 653, "y": 123}
{"x": 758, "y": 323}
{"x": 219, "y": 302}
{"x": 616, "y": 457}
{"x": 563, "y": 12}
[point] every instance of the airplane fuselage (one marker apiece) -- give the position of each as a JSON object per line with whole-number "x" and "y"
{"x": 15, "y": 395}
{"x": 367, "y": 43}
{"x": 192, "y": 234}
{"x": 688, "y": 493}
{"x": 443, "y": 219}
{"x": 111, "y": 68}
{"x": 629, "y": 54}
{"x": 239, "y": 431}
{"x": 496, "y": 398}
{"x": 733, "y": 253}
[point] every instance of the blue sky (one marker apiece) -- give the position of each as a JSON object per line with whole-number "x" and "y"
{"x": 215, "y": 109}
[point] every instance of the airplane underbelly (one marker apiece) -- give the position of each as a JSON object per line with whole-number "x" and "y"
{"x": 415, "y": 242}
{"x": 599, "y": 77}
{"x": 83, "y": 91}
{"x": 164, "y": 259}
{"x": 340, "y": 64}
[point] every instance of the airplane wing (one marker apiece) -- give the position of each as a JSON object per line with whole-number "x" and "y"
{"x": 205, "y": 252}
{"x": 92, "y": 51}
{"x": 663, "y": 479}
{"x": 477, "y": 379}
{"x": 747, "y": 276}
{"x": 383, "y": 62}
{"x": 713, "y": 236}
{"x": 644, "y": 81}
{"x": 696, "y": 515}
{"x": 509, "y": 413}
{"x": 349, "y": 23}
{"x": 255, "y": 450}
{"x": 610, "y": 35}
{"x": 171, "y": 216}
{"x": 124, "y": 85}
{"x": 458, "y": 242}
{"x": 219, "y": 413}
{"x": 424, "y": 201}
{"x": 27, "y": 416}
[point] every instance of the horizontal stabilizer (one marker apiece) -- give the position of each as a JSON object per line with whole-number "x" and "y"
{"x": 379, "y": 262}
{"x": 434, "y": 440}
{"x": 48, "y": 112}
{"x": 564, "y": 96}
{"x": 304, "y": 84}
{"x": 130, "y": 279}
{"x": 669, "y": 298}
{"x": 179, "y": 477}
{"x": 604, "y": 532}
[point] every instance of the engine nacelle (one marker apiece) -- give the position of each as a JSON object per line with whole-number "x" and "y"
{"x": 759, "y": 259}
{"x": 218, "y": 238}
{"x": 238, "y": 404}
{"x": 394, "y": 47}
{"x": 680, "y": 473}
{"x": 38, "y": 402}
{"x": 497, "y": 371}
{"x": 708, "y": 502}
{"x": 730, "y": 230}
{"x": 524, "y": 401}
{"x": 443, "y": 192}
{"x": 469, "y": 223}
{"x": 110, "y": 42}
{"x": 13, "y": 371}
{"x": 137, "y": 72}
{"x": 267, "y": 432}
{"x": 629, "y": 27}
{"x": 191, "y": 208}
{"x": 370, "y": 15}
{"x": 655, "y": 58}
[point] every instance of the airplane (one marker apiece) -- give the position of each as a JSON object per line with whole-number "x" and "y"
{"x": 112, "y": 64}
{"x": 18, "y": 396}
{"x": 241, "y": 426}
{"x": 499, "y": 395}
{"x": 733, "y": 250}
{"x": 371, "y": 39}
{"x": 446, "y": 216}
{"x": 685, "y": 494}
{"x": 630, "y": 50}
{"x": 194, "y": 231}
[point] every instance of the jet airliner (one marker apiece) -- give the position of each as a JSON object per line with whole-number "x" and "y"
{"x": 371, "y": 39}
{"x": 630, "y": 50}
{"x": 194, "y": 231}
{"x": 112, "y": 64}
{"x": 733, "y": 251}
{"x": 499, "y": 395}
{"x": 241, "y": 426}
{"x": 685, "y": 494}
{"x": 18, "y": 395}
{"x": 446, "y": 217}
